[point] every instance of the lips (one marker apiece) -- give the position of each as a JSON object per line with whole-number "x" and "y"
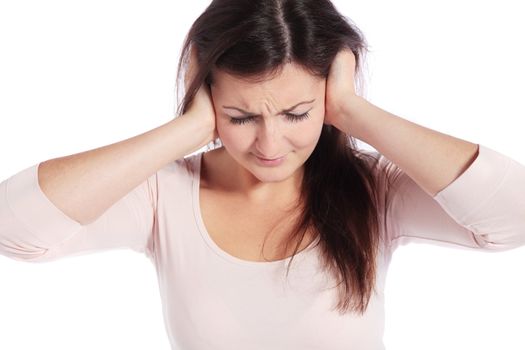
{"x": 269, "y": 158}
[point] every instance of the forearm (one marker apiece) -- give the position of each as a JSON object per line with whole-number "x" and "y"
{"x": 86, "y": 184}
{"x": 432, "y": 159}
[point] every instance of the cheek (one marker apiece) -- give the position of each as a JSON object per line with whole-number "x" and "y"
{"x": 307, "y": 133}
{"x": 233, "y": 136}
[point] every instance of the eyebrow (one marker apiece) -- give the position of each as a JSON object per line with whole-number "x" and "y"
{"x": 282, "y": 112}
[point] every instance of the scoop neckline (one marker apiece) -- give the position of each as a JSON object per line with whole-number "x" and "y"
{"x": 211, "y": 243}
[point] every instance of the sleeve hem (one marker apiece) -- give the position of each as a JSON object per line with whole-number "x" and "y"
{"x": 476, "y": 185}
{"x": 35, "y": 211}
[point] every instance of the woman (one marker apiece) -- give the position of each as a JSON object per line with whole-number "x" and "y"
{"x": 287, "y": 188}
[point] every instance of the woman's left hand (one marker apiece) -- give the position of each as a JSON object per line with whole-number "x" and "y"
{"x": 339, "y": 88}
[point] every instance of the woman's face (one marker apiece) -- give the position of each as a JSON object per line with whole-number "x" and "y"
{"x": 268, "y": 121}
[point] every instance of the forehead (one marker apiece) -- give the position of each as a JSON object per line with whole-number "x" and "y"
{"x": 290, "y": 80}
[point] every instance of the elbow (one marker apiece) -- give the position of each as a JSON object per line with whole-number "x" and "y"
{"x": 499, "y": 242}
{"x": 33, "y": 255}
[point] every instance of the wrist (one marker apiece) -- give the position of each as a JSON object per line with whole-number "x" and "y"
{"x": 350, "y": 113}
{"x": 195, "y": 135}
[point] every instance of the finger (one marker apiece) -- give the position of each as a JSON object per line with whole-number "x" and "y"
{"x": 347, "y": 61}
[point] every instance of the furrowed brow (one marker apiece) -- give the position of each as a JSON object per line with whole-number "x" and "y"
{"x": 282, "y": 112}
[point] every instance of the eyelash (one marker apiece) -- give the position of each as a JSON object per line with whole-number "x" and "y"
{"x": 291, "y": 117}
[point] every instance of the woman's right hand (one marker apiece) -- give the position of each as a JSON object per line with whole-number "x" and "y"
{"x": 201, "y": 107}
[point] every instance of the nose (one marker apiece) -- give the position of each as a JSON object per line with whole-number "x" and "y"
{"x": 267, "y": 137}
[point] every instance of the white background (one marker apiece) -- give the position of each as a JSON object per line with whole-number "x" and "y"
{"x": 76, "y": 75}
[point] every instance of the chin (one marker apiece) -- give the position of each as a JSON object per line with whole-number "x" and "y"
{"x": 271, "y": 177}
{"x": 274, "y": 174}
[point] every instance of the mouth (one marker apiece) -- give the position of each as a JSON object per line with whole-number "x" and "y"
{"x": 269, "y": 158}
{"x": 270, "y": 161}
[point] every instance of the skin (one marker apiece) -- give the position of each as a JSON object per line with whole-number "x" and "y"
{"x": 234, "y": 173}
{"x": 269, "y": 133}
{"x": 234, "y": 167}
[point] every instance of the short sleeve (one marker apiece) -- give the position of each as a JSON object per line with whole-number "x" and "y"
{"x": 483, "y": 209}
{"x": 33, "y": 229}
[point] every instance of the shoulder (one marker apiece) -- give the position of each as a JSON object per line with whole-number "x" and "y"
{"x": 184, "y": 167}
{"x": 379, "y": 163}
{"x": 388, "y": 176}
{"x": 176, "y": 175}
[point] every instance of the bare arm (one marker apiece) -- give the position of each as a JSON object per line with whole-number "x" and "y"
{"x": 86, "y": 184}
{"x": 431, "y": 158}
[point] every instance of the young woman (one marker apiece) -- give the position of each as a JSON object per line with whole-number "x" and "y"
{"x": 280, "y": 237}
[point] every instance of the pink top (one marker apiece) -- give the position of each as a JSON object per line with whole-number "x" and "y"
{"x": 213, "y": 300}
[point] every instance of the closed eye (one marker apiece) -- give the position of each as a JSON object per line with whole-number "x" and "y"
{"x": 290, "y": 116}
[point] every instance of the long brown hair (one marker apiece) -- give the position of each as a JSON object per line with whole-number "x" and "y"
{"x": 340, "y": 197}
